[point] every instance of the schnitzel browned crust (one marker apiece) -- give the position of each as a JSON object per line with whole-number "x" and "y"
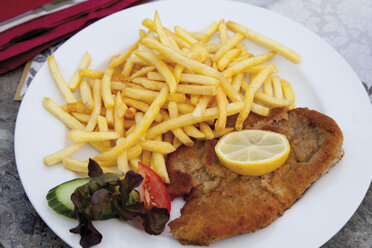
{"x": 221, "y": 203}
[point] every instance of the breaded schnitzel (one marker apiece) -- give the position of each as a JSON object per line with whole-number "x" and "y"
{"x": 221, "y": 203}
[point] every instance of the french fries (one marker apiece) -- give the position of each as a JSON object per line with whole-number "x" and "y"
{"x": 58, "y": 79}
{"x": 265, "y": 41}
{"x": 75, "y": 80}
{"x": 166, "y": 90}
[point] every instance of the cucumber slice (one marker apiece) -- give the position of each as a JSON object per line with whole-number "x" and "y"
{"x": 59, "y": 199}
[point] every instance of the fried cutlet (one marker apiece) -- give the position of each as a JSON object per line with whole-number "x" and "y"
{"x": 221, "y": 203}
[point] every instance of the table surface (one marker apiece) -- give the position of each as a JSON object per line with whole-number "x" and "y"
{"x": 344, "y": 24}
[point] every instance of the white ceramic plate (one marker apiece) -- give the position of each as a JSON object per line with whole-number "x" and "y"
{"x": 322, "y": 81}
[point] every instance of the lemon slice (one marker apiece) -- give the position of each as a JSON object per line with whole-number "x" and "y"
{"x": 253, "y": 152}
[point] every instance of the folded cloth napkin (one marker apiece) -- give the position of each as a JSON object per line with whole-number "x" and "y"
{"x": 10, "y": 9}
{"x": 23, "y": 42}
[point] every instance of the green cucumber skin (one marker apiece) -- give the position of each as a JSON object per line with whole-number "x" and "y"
{"x": 61, "y": 208}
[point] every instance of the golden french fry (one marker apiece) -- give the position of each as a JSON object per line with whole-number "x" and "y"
{"x": 140, "y": 130}
{"x": 201, "y": 106}
{"x": 158, "y": 165}
{"x": 128, "y": 66}
{"x": 81, "y": 117}
{"x": 268, "y": 87}
{"x": 278, "y": 92}
{"x": 110, "y": 117}
{"x": 189, "y": 119}
{"x": 249, "y": 94}
{"x": 256, "y": 68}
{"x": 61, "y": 114}
{"x": 86, "y": 94}
{"x": 130, "y": 130}
{"x": 120, "y": 106}
{"x": 241, "y": 66}
{"x": 149, "y": 95}
{"x": 103, "y": 127}
{"x": 181, "y": 88}
{"x": 76, "y": 107}
{"x": 101, "y": 146}
{"x": 123, "y": 164}
{"x": 288, "y": 92}
{"x": 90, "y": 73}
{"x": 218, "y": 134}
{"x": 199, "y": 36}
{"x": 227, "y": 58}
{"x": 223, "y": 32}
{"x": 178, "y": 69}
{"x": 233, "y": 41}
{"x": 237, "y": 81}
{"x": 134, "y": 151}
{"x": 210, "y": 30}
{"x": 184, "y": 34}
{"x": 107, "y": 97}
{"x": 97, "y": 106}
{"x": 160, "y": 31}
{"x": 242, "y": 56}
{"x": 187, "y": 78}
{"x": 141, "y": 72}
{"x": 265, "y": 41}
{"x": 222, "y": 110}
{"x": 260, "y": 110}
{"x": 146, "y": 157}
{"x": 162, "y": 68}
{"x": 58, "y": 79}
{"x": 192, "y": 131}
{"x": 134, "y": 163}
{"x": 80, "y": 166}
{"x": 157, "y": 146}
{"x": 271, "y": 101}
{"x": 185, "y": 108}
{"x": 57, "y": 157}
{"x": 206, "y": 129}
{"x": 138, "y": 116}
{"x": 119, "y": 110}
{"x": 85, "y": 136}
{"x": 75, "y": 80}
{"x": 120, "y": 59}
{"x": 194, "y": 99}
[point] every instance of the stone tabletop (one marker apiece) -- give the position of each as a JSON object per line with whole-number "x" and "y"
{"x": 345, "y": 24}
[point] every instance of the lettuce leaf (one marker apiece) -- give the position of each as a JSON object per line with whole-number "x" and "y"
{"x": 109, "y": 190}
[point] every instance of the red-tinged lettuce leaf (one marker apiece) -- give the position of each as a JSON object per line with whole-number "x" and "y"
{"x": 94, "y": 170}
{"x": 154, "y": 220}
{"x": 90, "y": 236}
{"x": 107, "y": 189}
{"x": 130, "y": 181}
{"x": 98, "y": 203}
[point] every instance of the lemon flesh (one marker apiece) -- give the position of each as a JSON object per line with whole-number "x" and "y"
{"x": 253, "y": 152}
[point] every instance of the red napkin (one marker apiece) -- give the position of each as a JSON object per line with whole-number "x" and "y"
{"x": 23, "y": 42}
{"x": 10, "y": 9}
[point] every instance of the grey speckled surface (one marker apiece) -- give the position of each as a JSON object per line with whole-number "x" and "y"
{"x": 21, "y": 226}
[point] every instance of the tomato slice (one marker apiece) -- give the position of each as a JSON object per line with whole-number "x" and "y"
{"x": 152, "y": 190}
